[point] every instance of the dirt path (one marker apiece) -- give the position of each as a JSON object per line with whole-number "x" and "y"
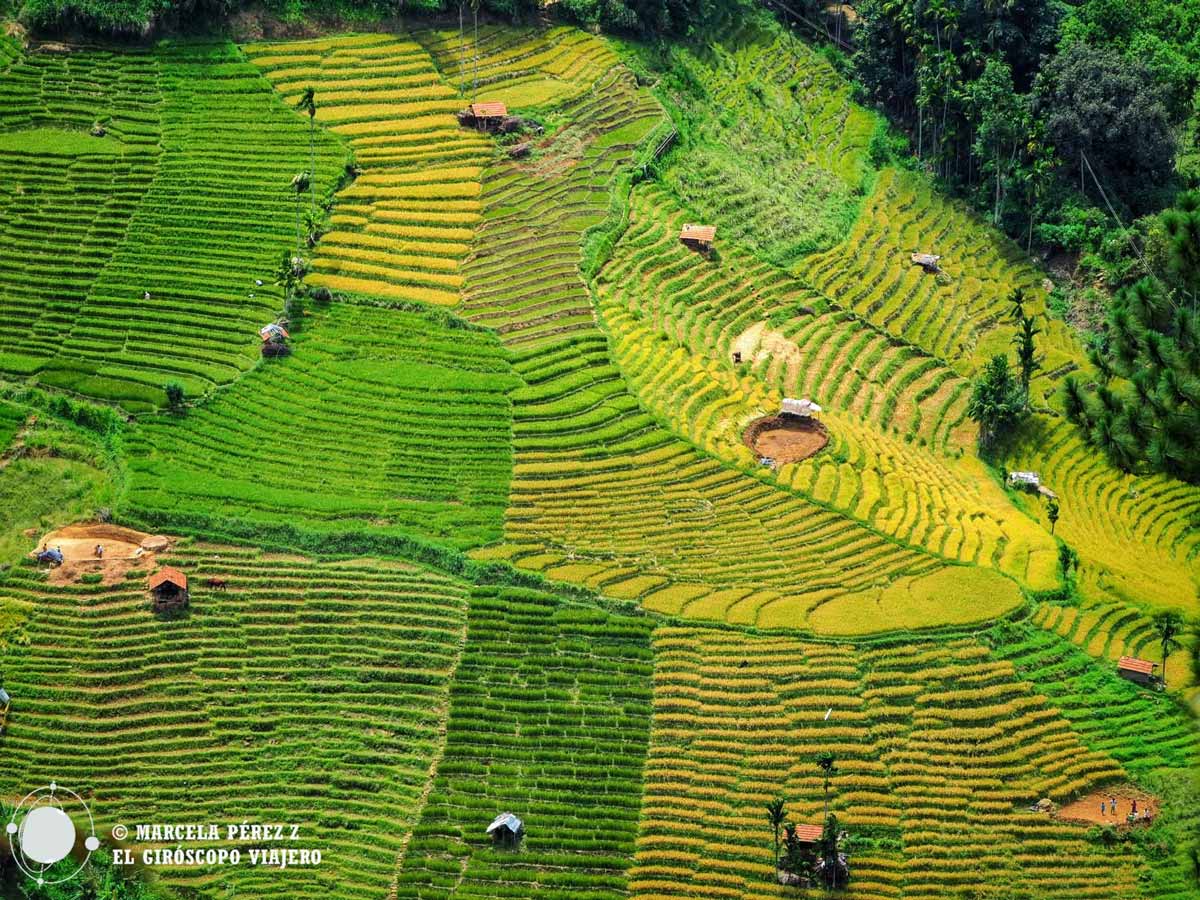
{"x": 18, "y": 443}
{"x": 1086, "y": 810}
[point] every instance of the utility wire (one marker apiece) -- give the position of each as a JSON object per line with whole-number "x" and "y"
{"x": 1125, "y": 231}
{"x": 824, "y": 32}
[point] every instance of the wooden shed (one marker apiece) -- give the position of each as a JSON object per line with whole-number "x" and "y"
{"x": 484, "y": 116}
{"x": 1139, "y": 670}
{"x": 698, "y": 237}
{"x": 506, "y": 831}
{"x": 169, "y": 587}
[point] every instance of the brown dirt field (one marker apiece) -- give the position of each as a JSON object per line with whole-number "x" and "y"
{"x": 785, "y": 440}
{"x": 1086, "y": 810}
{"x": 121, "y": 551}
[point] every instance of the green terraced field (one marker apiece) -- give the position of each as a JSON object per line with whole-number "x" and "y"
{"x": 422, "y": 399}
{"x": 194, "y": 179}
{"x": 309, "y": 693}
{"x": 550, "y": 717}
{"x": 492, "y": 538}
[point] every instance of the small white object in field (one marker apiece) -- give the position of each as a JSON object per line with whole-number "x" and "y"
{"x": 828, "y": 713}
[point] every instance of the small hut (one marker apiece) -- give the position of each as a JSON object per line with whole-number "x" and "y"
{"x": 927, "y": 261}
{"x": 506, "y": 831}
{"x": 1134, "y": 669}
{"x": 698, "y": 237}
{"x": 1025, "y": 481}
{"x": 484, "y": 116}
{"x": 273, "y": 333}
{"x": 169, "y": 588}
{"x": 799, "y": 409}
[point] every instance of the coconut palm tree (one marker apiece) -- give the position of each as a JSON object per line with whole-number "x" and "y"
{"x": 1017, "y": 299}
{"x": 827, "y": 764}
{"x": 300, "y": 183}
{"x": 1168, "y": 626}
{"x": 776, "y": 815}
{"x": 308, "y": 104}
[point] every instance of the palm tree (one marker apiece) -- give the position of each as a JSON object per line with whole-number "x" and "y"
{"x": 828, "y": 764}
{"x": 1017, "y": 299}
{"x": 776, "y": 815}
{"x": 1026, "y": 351}
{"x": 308, "y": 104}
{"x": 300, "y": 184}
{"x": 1168, "y": 626}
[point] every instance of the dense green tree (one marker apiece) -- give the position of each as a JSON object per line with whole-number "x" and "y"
{"x": 1003, "y": 125}
{"x": 997, "y": 402}
{"x": 1104, "y": 110}
{"x": 1052, "y": 513}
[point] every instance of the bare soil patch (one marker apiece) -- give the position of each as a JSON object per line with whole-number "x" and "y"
{"x": 1086, "y": 810}
{"x": 124, "y": 549}
{"x": 786, "y": 439}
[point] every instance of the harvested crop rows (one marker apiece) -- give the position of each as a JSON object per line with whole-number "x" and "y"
{"x": 549, "y": 718}
{"x": 402, "y": 228}
{"x": 430, "y": 453}
{"x": 940, "y": 749}
{"x": 309, "y": 693}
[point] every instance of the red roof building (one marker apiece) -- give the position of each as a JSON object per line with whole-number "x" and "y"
{"x": 809, "y": 834}
{"x": 700, "y": 234}
{"x": 1139, "y": 670}
{"x": 491, "y": 110}
{"x": 1133, "y": 664}
{"x": 167, "y": 575}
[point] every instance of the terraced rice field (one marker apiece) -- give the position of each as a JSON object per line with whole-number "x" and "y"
{"x": 309, "y": 693}
{"x": 550, "y": 718}
{"x": 601, "y": 494}
{"x": 795, "y": 119}
{"x": 522, "y": 373}
{"x": 676, "y": 322}
{"x": 425, "y": 399}
{"x": 197, "y": 148}
{"x": 401, "y": 230}
{"x": 940, "y": 749}
{"x": 523, "y": 67}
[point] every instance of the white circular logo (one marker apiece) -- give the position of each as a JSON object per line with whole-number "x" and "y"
{"x": 42, "y": 831}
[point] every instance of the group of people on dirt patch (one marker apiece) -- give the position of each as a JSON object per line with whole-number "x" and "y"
{"x": 1133, "y": 817}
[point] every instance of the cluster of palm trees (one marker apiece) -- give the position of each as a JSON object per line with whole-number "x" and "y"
{"x": 777, "y": 816}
